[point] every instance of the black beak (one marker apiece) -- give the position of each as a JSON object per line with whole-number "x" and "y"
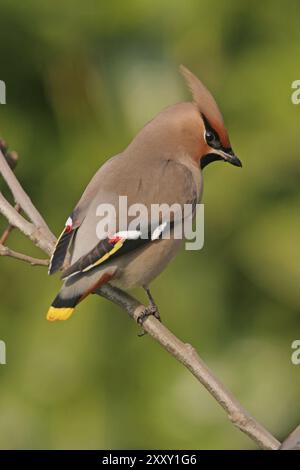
{"x": 233, "y": 159}
{"x": 230, "y": 157}
{"x": 226, "y": 156}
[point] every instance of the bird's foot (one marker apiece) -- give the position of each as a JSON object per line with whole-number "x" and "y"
{"x": 151, "y": 310}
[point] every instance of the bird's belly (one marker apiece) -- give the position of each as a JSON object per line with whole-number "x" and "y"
{"x": 141, "y": 268}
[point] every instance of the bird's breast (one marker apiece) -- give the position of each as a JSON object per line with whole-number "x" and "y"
{"x": 141, "y": 267}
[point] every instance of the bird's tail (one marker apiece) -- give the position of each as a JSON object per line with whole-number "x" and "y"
{"x": 76, "y": 289}
{"x": 62, "y": 307}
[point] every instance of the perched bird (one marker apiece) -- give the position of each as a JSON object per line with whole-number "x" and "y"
{"x": 163, "y": 164}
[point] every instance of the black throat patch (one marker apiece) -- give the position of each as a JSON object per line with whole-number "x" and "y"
{"x": 209, "y": 158}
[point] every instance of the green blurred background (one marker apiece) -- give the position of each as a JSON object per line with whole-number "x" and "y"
{"x": 81, "y": 80}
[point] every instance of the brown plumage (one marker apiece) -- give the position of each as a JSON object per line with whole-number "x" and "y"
{"x": 161, "y": 165}
{"x": 206, "y": 105}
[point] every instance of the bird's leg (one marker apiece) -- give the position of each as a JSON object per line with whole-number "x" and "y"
{"x": 152, "y": 309}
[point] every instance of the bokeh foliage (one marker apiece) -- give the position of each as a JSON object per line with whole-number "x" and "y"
{"x": 81, "y": 80}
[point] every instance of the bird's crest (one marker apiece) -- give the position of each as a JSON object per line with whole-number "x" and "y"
{"x": 206, "y": 104}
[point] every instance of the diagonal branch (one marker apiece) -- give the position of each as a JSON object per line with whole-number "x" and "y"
{"x": 292, "y": 442}
{"x": 19, "y": 194}
{"x": 11, "y": 157}
{"x": 39, "y": 236}
{"x": 8, "y": 229}
{"x": 188, "y": 356}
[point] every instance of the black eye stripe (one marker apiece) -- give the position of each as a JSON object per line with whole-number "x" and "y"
{"x": 211, "y": 136}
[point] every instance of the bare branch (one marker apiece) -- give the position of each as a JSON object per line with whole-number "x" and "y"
{"x": 39, "y": 236}
{"x": 189, "y": 357}
{"x": 5, "y": 251}
{"x": 292, "y": 442}
{"x": 8, "y": 229}
{"x": 10, "y": 157}
{"x": 12, "y": 160}
{"x": 20, "y": 195}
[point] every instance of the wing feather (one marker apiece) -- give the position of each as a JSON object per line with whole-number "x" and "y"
{"x": 164, "y": 182}
{"x": 60, "y": 251}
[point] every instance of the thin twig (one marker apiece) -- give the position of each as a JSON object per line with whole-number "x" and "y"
{"x": 5, "y": 251}
{"x": 8, "y": 229}
{"x": 12, "y": 160}
{"x": 20, "y": 195}
{"x": 11, "y": 157}
{"x": 38, "y": 235}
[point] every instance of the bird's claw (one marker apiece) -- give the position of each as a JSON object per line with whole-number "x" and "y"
{"x": 151, "y": 310}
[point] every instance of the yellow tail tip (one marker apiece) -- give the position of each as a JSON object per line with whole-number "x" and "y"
{"x": 54, "y": 313}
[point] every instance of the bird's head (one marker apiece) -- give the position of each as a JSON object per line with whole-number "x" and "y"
{"x": 215, "y": 144}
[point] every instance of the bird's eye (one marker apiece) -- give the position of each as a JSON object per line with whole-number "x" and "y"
{"x": 212, "y": 139}
{"x": 209, "y": 137}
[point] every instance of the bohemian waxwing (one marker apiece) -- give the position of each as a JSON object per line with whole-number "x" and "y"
{"x": 161, "y": 165}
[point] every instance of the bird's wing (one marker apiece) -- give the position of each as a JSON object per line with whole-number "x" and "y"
{"x": 75, "y": 219}
{"x": 161, "y": 182}
{"x": 61, "y": 247}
